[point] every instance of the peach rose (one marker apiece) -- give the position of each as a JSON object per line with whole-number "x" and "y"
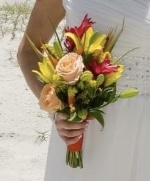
{"x": 70, "y": 67}
{"x": 48, "y": 100}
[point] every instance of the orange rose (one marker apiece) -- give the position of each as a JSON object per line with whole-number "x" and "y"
{"x": 48, "y": 100}
{"x": 70, "y": 67}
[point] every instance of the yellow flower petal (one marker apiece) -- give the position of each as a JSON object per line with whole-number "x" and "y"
{"x": 86, "y": 38}
{"x": 46, "y": 70}
{"x": 119, "y": 71}
{"x": 74, "y": 38}
{"x": 98, "y": 44}
{"x": 104, "y": 55}
{"x": 113, "y": 79}
{"x": 46, "y": 67}
{"x": 42, "y": 77}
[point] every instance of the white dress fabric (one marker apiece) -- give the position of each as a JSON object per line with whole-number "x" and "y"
{"x": 121, "y": 152}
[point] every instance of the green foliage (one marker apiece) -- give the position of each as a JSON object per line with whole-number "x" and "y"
{"x": 97, "y": 114}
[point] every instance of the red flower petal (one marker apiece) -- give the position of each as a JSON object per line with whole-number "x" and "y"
{"x": 79, "y": 31}
{"x": 102, "y": 68}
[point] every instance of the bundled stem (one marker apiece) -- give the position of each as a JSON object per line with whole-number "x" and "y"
{"x": 74, "y": 154}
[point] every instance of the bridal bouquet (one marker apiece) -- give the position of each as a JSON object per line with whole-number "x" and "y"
{"x": 80, "y": 76}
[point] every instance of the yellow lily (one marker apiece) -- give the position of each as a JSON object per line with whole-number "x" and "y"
{"x": 131, "y": 92}
{"x": 98, "y": 44}
{"x": 91, "y": 40}
{"x": 46, "y": 70}
{"x": 113, "y": 77}
{"x": 104, "y": 55}
{"x": 86, "y": 38}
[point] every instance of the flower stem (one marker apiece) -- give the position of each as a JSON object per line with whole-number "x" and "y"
{"x": 74, "y": 159}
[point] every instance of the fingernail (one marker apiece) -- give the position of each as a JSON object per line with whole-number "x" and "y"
{"x": 79, "y": 136}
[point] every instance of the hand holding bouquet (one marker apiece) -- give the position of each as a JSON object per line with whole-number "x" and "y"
{"x": 80, "y": 79}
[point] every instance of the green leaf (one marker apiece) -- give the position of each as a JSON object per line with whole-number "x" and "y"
{"x": 98, "y": 101}
{"x": 61, "y": 92}
{"x": 97, "y": 114}
{"x": 112, "y": 94}
{"x": 109, "y": 93}
{"x": 58, "y": 50}
{"x": 55, "y": 32}
{"x": 117, "y": 37}
{"x": 93, "y": 38}
{"x": 113, "y": 37}
{"x": 120, "y": 58}
{"x": 50, "y": 50}
{"x": 36, "y": 50}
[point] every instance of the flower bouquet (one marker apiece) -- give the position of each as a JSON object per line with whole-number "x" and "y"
{"x": 80, "y": 76}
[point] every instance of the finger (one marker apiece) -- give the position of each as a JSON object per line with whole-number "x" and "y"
{"x": 71, "y": 133}
{"x": 70, "y": 125}
{"x": 60, "y": 116}
{"x": 70, "y": 141}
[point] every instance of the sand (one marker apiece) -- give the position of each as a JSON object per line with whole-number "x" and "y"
{"x": 21, "y": 159}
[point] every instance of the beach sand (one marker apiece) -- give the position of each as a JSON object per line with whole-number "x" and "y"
{"x": 21, "y": 159}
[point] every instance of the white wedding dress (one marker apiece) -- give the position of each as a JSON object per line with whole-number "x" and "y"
{"x": 121, "y": 152}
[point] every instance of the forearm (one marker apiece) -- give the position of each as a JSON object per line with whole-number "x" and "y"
{"x": 28, "y": 61}
{"x": 39, "y": 28}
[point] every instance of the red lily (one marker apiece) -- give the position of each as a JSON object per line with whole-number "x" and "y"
{"x": 79, "y": 31}
{"x": 103, "y": 67}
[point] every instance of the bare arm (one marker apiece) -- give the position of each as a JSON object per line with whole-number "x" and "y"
{"x": 39, "y": 27}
